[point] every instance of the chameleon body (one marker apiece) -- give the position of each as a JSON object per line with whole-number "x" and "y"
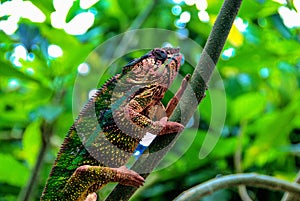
{"x": 111, "y": 124}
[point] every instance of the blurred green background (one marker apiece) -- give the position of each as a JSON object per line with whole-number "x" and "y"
{"x": 43, "y": 46}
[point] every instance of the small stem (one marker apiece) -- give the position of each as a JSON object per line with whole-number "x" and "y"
{"x": 238, "y": 161}
{"x": 46, "y": 133}
{"x": 249, "y": 179}
{"x": 289, "y": 196}
{"x": 238, "y": 152}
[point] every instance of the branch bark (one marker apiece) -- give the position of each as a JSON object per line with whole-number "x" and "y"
{"x": 249, "y": 179}
{"x": 187, "y": 105}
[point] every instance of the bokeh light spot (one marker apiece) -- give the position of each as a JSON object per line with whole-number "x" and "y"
{"x": 83, "y": 69}
{"x": 92, "y": 93}
{"x": 203, "y": 16}
{"x": 185, "y": 17}
{"x": 13, "y": 84}
{"x": 176, "y": 10}
{"x": 55, "y": 51}
{"x": 264, "y": 72}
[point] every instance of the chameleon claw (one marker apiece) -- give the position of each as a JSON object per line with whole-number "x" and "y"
{"x": 185, "y": 81}
{"x": 187, "y": 77}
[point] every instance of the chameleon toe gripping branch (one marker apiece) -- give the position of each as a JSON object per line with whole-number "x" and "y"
{"x": 111, "y": 125}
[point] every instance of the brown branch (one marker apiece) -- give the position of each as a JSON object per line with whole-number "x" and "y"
{"x": 249, "y": 179}
{"x": 191, "y": 98}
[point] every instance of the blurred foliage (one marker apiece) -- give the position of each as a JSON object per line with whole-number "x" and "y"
{"x": 261, "y": 78}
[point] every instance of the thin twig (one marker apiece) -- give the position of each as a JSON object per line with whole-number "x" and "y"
{"x": 249, "y": 179}
{"x": 289, "y": 196}
{"x": 46, "y": 133}
{"x": 238, "y": 161}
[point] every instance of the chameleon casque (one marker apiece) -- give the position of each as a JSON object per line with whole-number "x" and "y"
{"x": 111, "y": 125}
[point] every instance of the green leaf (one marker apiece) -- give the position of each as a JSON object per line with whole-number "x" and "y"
{"x": 272, "y": 132}
{"x": 6, "y": 69}
{"x": 247, "y": 107}
{"x": 12, "y": 171}
{"x": 254, "y": 9}
{"x": 32, "y": 142}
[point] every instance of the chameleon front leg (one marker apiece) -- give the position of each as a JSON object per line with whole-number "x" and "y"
{"x": 160, "y": 127}
{"x": 88, "y": 179}
{"x": 163, "y": 126}
{"x": 158, "y": 111}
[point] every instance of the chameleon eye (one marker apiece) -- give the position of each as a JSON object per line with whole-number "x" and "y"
{"x": 160, "y": 54}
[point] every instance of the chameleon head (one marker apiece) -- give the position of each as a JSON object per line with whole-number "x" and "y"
{"x": 165, "y": 65}
{"x": 160, "y": 65}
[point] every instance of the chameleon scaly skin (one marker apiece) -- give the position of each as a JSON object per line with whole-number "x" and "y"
{"x": 110, "y": 126}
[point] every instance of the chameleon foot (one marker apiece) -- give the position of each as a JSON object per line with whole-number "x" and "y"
{"x": 128, "y": 177}
{"x": 88, "y": 179}
{"x": 169, "y": 126}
